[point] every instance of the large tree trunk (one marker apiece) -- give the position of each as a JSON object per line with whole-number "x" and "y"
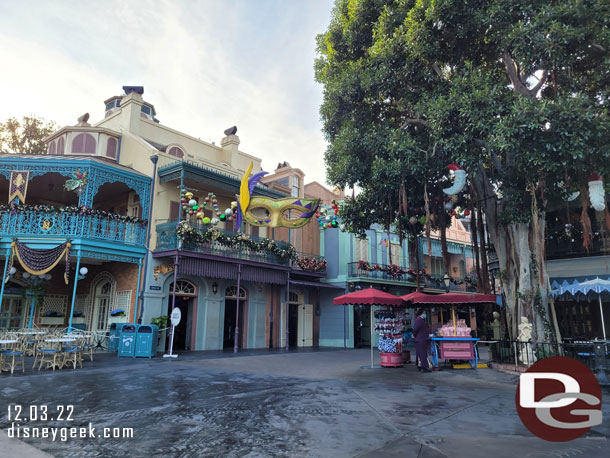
{"x": 522, "y": 275}
{"x": 443, "y": 228}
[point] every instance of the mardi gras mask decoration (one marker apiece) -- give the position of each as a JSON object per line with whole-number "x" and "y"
{"x": 288, "y": 212}
{"x": 261, "y": 211}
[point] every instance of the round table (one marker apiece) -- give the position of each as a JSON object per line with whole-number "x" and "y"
{"x": 8, "y": 341}
{"x": 64, "y": 339}
{"x": 31, "y": 332}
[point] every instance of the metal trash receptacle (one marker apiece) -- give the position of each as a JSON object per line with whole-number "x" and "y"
{"x": 147, "y": 338}
{"x": 127, "y": 340}
{"x": 114, "y": 335}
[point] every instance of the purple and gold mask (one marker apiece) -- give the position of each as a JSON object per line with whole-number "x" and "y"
{"x": 287, "y": 212}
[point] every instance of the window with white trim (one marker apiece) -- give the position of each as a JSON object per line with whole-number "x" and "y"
{"x": 122, "y": 301}
{"x": 54, "y": 305}
{"x": 361, "y": 249}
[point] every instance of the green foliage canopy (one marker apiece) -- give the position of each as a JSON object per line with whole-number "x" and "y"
{"x": 25, "y": 136}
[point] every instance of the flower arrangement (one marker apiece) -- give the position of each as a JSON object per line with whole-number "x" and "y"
{"x": 52, "y": 313}
{"x": 191, "y": 235}
{"x": 71, "y": 210}
{"x": 77, "y": 313}
{"x": 117, "y": 312}
{"x": 393, "y": 270}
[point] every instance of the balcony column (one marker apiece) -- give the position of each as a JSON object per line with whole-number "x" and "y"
{"x": 236, "y": 344}
{"x": 7, "y": 255}
{"x": 32, "y": 306}
{"x": 76, "y": 274}
{"x": 288, "y": 311}
{"x": 135, "y": 312}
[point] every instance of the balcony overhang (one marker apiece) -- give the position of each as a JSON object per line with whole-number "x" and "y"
{"x": 213, "y": 266}
{"x": 190, "y": 171}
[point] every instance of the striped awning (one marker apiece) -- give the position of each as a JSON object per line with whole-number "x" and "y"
{"x": 218, "y": 269}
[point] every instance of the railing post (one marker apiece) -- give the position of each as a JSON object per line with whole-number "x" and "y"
{"x": 7, "y": 256}
{"x": 74, "y": 290}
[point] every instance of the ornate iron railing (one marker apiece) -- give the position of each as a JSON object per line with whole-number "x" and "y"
{"x": 436, "y": 282}
{"x": 167, "y": 240}
{"x": 306, "y": 262}
{"x": 72, "y": 225}
{"x": 355, "y": 269}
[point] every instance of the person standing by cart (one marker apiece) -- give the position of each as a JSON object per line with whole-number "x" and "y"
{"x": 421, "y": 337}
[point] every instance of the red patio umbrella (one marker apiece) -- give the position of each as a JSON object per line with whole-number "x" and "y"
{"x": 452, "y": 299}
{"x": 449, "y": 298}
{"x": 369, "y": 296}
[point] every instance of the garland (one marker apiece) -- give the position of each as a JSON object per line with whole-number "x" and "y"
{"x": 191, "y": 235}
{"x": 71, "y": 210}
{"x": 38, "y": 262}
{"x": 396, "y": 272}
{"x": 311, "y": 264}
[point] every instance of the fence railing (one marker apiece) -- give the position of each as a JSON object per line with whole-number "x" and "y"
{"x": 167, "y": 240}
{"x": 70, "y": 225}
{"x": 519, "y": 353}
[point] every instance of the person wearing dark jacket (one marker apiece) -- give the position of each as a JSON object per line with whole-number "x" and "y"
{"x": 421, "y": 336}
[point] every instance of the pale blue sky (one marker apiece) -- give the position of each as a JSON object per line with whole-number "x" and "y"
{"x": 205, "y": 65}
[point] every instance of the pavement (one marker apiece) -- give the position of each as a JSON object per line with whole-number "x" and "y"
{"x": 261, "y": 403}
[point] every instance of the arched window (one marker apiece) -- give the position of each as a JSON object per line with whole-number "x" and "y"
{"x": 111, "y": 148}
{"x": 83, "y": 144}
{"x": 185, "y": 288}
{"x": 60, "y": 145}
{"x": 175, "y": 151}
{"x": 231, "y": 292}
{"x": 294, "y": 297}
{"x": 52, "y": 148}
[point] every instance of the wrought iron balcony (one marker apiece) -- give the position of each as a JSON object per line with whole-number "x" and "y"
{"x": 566, "y": 241}
{"x": 383, "y": 272}
{"x": 458, "y": 284}
{"x": 306, "y": 262}
{"x": 109, "y": 228}
{"x": 167, "y": 240}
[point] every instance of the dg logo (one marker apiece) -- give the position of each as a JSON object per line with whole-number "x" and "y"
{"x": 558, "y": 399}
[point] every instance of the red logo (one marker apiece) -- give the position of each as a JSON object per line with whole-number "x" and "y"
{"x": 559, "y": 399}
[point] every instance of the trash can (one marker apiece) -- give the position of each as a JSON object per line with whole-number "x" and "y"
{"x": 127, "y": 340}
{"x": 114, "y": 336}
{"x": 146, "y": 340}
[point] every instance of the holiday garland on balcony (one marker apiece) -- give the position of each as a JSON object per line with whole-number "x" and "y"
{"x": 191, "y": 235}
{"x": 396, "y": 272}
{"x": 71, "y": 210}
{"x": 39, "y": 262}
{"x": 188, "y": 234}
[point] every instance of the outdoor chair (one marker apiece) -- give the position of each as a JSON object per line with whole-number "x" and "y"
{"x": 51, "y": 357}
{"x": 12, "y": 359}
{"x": 72, "y": 355}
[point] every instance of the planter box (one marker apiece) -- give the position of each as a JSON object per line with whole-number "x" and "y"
{"x": 52, "y": 320}
{"x": 78, "y": 319}
{"x": 391, "y": 360}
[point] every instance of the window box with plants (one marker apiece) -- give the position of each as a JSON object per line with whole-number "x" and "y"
{"x": 52, "y": 318}
{"x": 117, "y": 316}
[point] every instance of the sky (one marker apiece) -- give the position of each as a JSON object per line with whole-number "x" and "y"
{"x": 205, "y": 65}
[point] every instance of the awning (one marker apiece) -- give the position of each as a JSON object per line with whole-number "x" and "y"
{"x": 315, "y": 283}
{"x": 450, "y": 298}
{"x": 580, "y": 285}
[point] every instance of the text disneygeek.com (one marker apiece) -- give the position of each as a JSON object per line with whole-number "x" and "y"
{"x": 64, "y": 433}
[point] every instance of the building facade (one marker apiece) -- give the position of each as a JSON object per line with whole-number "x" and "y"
{"x": 137, "y": 170}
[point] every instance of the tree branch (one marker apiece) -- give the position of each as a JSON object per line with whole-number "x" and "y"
{"x": 513, "y": 75}
{"x": 536, "y": 88}
{"x": 417, "y": 121}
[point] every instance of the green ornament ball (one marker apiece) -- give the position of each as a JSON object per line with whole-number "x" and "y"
{"x": 195, "y": 207}
{"x": 206, "y": 220}
{"x": 334, "y": 224}
{"x": 222, "y": 217}
{"x": 422, "y": 219}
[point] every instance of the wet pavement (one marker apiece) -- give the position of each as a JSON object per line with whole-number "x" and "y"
{"x": 260, "y": 403}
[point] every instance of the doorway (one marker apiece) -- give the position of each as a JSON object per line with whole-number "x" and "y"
{"x": 182, "y": 331}
{"x": 103, "y": 298}
{"x": 12, "y": 315}
{"x": 230, "y": 323}
{"x": 293, "y": 323}
{"x": 362, "y": 326}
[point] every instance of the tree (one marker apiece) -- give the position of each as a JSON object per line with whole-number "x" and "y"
{"x": 25, "y": 136}
{"x": 514, "y": 92}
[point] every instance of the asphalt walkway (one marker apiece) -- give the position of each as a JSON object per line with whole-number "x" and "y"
{"x": 295, "y": 404}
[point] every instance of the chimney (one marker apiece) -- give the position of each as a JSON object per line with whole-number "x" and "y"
{"x": 230, "y": 145}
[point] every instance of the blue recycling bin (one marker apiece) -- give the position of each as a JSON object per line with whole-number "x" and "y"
{"x": 114, "y": 335}
{"x": 147, "y": 338}
{"x": 127, "y": 340}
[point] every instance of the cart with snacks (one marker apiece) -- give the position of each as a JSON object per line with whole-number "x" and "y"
{"x": 453, "y": 341}
{"x": 389, "y": 324}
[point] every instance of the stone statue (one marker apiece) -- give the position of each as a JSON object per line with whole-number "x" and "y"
{"x": 526, "y": 353}
{"x": 496, "y": 326}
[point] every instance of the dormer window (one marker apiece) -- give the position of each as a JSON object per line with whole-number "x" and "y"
{"x": 175, "y": 151}
{"x": 52, "y": 148}
{"x": 60, "y": 146}
{"x": 83, "y": 144}
{"x": 113, "y": 104}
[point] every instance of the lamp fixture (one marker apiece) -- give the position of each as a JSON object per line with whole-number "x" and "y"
{"x": 447, "y": 281}
{"x": 214, "y": 287}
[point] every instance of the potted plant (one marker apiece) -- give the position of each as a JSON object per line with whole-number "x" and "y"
{"x": 161, "y": 322}
{"x": 78, "y": 317}
{"x": 52, "y": 317}
{"x": 118, "y": 316}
